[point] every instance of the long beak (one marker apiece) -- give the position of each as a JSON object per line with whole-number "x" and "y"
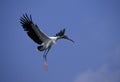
{"x": 66, "y": 37}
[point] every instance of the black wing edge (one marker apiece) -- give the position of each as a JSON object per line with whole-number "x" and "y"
{"x": 61, "y": 32}
{"x": 26, "y": 21}
{"x": 28, "y": 26}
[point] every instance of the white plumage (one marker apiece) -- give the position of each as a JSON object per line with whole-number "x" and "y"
{"x": 39, "y": 37}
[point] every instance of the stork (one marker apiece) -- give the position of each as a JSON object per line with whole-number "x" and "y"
{"x": 45, "y": 42}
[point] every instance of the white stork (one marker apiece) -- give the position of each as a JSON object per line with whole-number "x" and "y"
{"x": 39, "y": 37}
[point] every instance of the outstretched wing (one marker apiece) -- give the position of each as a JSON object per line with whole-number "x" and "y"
{"x": 61, "y": 33}
{"x": 32, "y": 29}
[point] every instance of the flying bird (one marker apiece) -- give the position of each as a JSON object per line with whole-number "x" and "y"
{"x": 45, "y": 42}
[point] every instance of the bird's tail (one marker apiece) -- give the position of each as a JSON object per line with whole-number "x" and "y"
{"x": 40, "y": 48}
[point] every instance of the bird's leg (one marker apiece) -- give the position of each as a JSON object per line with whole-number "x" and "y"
{"x": 45, "y": 55}
{"x": 45, "y": 58}
{"x": 45, "y": 61}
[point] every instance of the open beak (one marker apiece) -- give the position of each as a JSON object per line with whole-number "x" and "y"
{"x": 66, "y": 37}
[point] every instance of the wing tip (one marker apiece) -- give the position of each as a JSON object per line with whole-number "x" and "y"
{"x": 61, "y": 32}
{"x": 25, "y": 19}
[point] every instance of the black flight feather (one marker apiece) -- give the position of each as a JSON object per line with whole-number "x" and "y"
{"x": 61, "y": 33}
{"x": 30, "y": 27}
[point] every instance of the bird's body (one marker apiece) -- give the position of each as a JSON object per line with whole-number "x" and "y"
{"x": 48, "y": 43}
{"x": 39, "y": 37}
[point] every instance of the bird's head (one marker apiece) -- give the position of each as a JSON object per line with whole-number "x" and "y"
{"x": 61, "y": 35}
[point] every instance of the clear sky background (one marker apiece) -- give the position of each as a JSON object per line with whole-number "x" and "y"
{"x": 94, "y": 25}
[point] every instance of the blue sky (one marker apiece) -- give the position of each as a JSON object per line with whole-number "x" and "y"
{"x": 94, "y": 25}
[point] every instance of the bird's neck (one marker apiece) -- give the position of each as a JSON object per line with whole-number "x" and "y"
{"x": 58, "y": 37}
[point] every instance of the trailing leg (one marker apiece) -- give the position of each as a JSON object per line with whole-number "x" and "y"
{"x": 45, "y": 58}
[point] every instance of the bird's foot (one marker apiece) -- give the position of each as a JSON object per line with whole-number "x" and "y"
{"x": 46, "y": 66}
